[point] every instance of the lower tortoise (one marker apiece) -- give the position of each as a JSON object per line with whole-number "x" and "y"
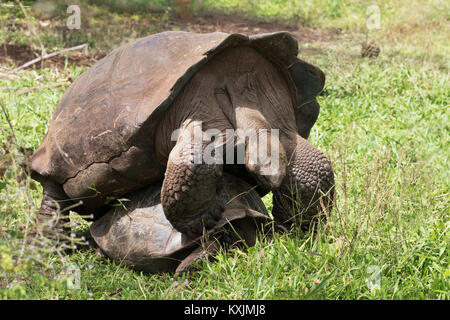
{"x": 139, "y": 235}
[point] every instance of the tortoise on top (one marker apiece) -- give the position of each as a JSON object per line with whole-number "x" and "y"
{"x": 111, "y": 133}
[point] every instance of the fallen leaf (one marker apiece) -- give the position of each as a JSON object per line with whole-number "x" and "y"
{"x": 261, "y": 253}
{"x": 114, "y": 292}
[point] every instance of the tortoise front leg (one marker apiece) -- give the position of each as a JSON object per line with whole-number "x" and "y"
{"x": 188, "y": 193}
{"x": 307, "y": 192}
{"x": 50, "y": 219}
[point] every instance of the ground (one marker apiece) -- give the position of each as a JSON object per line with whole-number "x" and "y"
{"x": 383, "y": 124}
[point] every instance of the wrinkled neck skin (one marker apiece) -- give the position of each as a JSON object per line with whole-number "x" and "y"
{"x": 237, "y": 89}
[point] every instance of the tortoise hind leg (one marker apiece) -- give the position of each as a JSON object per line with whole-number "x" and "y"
{"x": 202, "y": 253}
{"x": 188, "y": 193}
{"x": 240, "y": 230}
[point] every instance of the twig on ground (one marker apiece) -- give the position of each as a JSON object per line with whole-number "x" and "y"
{"x": 47, "y": 56}
{"x": 54, "y": 85}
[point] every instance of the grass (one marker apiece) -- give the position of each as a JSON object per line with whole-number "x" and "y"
{"x": 384, "y": 125}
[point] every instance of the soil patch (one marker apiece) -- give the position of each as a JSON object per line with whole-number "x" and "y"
{"x": 16, "y": 55}
{"x": 236, "y": 24}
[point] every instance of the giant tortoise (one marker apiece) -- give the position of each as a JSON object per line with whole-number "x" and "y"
{"x": 113, "y": 130}
{"x": 139, "y": 235}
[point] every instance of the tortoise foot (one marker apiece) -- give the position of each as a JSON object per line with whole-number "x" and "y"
{"x": 189, "y": 191}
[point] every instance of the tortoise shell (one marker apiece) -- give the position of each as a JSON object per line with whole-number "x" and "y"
{"x": 139, "y": 235}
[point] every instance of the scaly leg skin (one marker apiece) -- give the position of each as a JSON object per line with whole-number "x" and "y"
{"x": 203, "y": 252}
{"x": 307, "y": 192}
{"x": 188, "y": 193}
